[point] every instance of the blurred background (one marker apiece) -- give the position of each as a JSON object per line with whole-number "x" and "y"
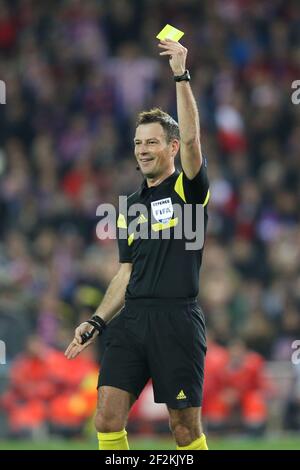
{"x": 76, "y": 74}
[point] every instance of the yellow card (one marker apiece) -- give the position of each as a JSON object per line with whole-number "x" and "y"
{"x": 169, "y": 32}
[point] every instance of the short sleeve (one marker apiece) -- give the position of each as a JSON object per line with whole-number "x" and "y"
{"x": 196, "y": 191}
{"x": 125, "y": 249}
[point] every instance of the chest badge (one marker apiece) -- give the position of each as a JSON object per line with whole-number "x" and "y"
{"x": 162, "y": 210}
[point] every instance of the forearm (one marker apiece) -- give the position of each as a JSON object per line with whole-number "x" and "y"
{"x": 188, "y": 116}
{"x": 112, "y": 302}
{"x": 114, "y": 297}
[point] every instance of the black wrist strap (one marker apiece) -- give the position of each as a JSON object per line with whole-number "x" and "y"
{"x": 184, "y": 77}
{"x": 98, "y": 323}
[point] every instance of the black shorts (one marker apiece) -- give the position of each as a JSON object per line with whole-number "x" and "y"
{"x": 161, "y": 340}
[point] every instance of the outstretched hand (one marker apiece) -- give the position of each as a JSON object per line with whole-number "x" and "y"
{"x": 76, "y": 346}
{"x": 177, "y": 53}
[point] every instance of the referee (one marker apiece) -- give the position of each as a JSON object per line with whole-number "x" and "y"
{"x": 160, "y": 331}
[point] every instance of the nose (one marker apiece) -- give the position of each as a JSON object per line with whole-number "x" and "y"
{"x": 143, "y": 149}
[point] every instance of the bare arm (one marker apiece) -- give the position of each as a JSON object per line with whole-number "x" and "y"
{"x": 188, "y": 117}
{"x": 112, "y": 302}
{"x": 188, "y": 120}
{"x": 114, "y": 297}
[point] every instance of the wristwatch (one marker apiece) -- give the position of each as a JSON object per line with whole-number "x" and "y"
{"x": 184, "y": 77}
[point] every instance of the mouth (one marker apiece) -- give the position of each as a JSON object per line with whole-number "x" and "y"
{"x": 146, "y": 160}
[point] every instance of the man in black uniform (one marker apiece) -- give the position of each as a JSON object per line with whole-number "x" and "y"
{"x": 160, "y": 331}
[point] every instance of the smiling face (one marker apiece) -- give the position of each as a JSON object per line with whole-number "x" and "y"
{"x": 155, "y": 156}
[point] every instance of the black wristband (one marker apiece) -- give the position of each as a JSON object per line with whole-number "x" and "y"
{"x": 98, "y": 323}
{"x": 184, "y": 77}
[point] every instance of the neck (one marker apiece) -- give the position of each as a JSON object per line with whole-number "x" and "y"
{"x": 155, "y": 181}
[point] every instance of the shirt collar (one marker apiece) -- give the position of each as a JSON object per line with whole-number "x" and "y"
{"x": 144, "y": 185}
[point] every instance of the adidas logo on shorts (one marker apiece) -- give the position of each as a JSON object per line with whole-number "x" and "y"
{"x": 181, "y": 395}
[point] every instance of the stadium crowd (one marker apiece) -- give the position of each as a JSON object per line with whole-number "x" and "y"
{"x": 76, "y": 74}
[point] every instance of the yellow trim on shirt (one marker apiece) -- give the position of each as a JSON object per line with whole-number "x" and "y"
{"x": 162, "y": 226}
{"x": 121, "y": 222}
{"x": 178, "y": 187}
{"x": 130, "y": 239}
{"x": 206, "y": 199}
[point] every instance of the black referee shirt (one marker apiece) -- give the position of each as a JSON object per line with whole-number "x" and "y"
{"x": 162, "y": 266}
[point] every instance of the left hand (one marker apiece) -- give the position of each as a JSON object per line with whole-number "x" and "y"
{"x": 177, "y": 53}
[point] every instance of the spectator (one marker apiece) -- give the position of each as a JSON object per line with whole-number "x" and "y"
{"x": 236, "y": 389}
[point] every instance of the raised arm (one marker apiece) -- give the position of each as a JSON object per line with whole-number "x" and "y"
{"x": 112, "y": 302}
{"x": 188, "y": 117}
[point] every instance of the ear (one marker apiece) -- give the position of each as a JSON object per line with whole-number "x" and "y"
{"x": 175, "y": 146}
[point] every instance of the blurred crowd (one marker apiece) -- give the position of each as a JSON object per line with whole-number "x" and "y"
{"x": 76, "y": 73}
